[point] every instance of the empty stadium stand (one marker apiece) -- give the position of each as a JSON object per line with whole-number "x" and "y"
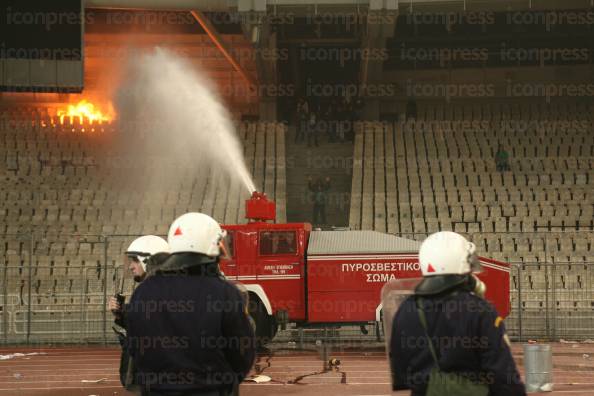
{"x": 69, "y": 207}
{"x": 438, "y": 172}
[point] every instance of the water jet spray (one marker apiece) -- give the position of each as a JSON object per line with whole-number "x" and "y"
{"x": 180, "y": 115}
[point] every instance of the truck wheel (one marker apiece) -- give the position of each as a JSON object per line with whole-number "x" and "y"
{"x": 266, "y": 325}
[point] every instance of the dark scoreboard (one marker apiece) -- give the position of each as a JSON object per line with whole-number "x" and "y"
{"x": 41, "y": 45}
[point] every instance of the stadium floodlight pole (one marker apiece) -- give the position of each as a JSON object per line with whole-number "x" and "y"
{"x": 214, "y": 36}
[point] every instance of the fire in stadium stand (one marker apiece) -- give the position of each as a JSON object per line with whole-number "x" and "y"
{"x": 87, "y": 112}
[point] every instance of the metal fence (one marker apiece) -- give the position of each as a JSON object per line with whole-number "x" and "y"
{"x": 552, "y": 301}
{"x": 55, "y": 290}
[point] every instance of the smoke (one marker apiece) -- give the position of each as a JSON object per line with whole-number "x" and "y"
{"x": 170, "y": 110}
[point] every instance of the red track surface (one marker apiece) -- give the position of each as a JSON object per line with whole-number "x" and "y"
{"x": 60, "y": 371}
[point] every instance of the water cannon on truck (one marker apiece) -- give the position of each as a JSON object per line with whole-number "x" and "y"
{"x": 295, "y": 274}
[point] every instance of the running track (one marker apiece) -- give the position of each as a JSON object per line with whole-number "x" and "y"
{"x": 59, "y": 371}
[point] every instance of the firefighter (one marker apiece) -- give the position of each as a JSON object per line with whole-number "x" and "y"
{"x": 188, "y": 328}
{"x": 139, "y": 255}
{"x": 446, "y": 326}
{"x": 142, "y": 254}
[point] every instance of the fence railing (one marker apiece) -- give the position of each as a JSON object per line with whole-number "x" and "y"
{"x": 55, "y": 290}
{"x": 552, "y": 301}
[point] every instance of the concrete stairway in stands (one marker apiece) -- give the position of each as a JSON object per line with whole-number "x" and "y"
{"x": 334, "y": 160}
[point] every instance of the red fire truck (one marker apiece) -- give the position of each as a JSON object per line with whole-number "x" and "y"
{"x": 294, "y": 274}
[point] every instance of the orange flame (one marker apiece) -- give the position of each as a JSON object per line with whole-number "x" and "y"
{"x": 86, "y": 112}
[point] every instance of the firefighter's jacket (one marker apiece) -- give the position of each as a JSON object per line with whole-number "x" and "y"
{"x": 189, "y": 331}
{"x": 468, "y": 336}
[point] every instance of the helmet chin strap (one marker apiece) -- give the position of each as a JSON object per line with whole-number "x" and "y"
{"x": 143, "y": 261}
{"x": 437, "y": 284}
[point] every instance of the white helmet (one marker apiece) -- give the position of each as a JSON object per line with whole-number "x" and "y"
{"x": 447, "y": 253}
{"x": 146, "y": 246}
{"x": 196, "y": 233}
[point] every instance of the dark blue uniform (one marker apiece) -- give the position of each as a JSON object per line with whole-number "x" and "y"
{"x": 127, "y": 366}
{"x": 188, "y": 333}
{"x": 468, "y": 337}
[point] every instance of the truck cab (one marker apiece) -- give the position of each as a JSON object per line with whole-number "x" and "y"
{"x": 269, "y": 259}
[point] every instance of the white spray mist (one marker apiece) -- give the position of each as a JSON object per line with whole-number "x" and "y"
{"x": 181, "y": 114}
